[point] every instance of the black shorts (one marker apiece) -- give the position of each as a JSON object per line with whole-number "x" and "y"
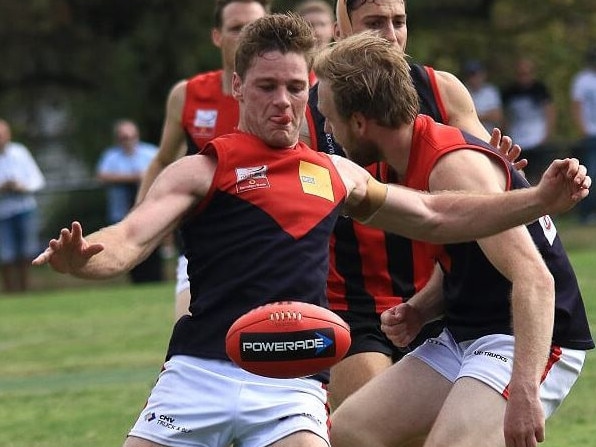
{"x": 365, "y": 330}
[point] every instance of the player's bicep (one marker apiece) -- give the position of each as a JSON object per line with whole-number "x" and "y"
{"x": 175, "y": 191}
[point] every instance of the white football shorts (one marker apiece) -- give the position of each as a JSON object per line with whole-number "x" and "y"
{"x": 208, "y": 402}
{"x": 182, "y": 282}
{"x": 489, "y": 359}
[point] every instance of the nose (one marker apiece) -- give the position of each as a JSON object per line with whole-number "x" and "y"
{"x": 388, "y": 32}
{"x": 282, "y": 97}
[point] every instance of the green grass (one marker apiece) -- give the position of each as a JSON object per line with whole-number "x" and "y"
{"x": 78, "y": 363}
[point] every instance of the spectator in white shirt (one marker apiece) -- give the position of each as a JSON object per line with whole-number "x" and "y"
{"x": 486, "y": 96}
{"x": 20, "y": 177}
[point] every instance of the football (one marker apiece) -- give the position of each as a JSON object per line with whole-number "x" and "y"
{"x": 288, "y": 339}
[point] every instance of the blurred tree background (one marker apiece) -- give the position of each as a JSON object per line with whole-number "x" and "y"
{"x": 71, "y": 67}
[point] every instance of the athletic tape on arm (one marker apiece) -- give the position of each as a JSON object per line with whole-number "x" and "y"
{"x": 376, "y": 194}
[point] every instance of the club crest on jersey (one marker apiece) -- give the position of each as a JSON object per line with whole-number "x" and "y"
{"x": 251, "y": 178}
{"x": 204, "y": 123}
{"x": 549, "y": 229}
{"x": 316, "y": 180}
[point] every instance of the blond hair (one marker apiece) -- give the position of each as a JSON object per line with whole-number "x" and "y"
{"x": 369, "y": 75}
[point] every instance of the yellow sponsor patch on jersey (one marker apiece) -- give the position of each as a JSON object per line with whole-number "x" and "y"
{"x": 316, "y": 180}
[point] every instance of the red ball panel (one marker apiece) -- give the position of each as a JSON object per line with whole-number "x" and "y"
{"x": 288, "y": 339}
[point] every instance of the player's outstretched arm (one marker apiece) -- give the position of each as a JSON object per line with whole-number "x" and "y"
{"x": 118, "y": 248}
{"x": 70, "y": 252}
{"x": 450, "y": 217}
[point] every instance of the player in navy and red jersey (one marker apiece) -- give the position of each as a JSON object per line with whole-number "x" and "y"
{"x": 258, "y": 208}
{"x": 514, "y": 292}
{"x": 370, "y": 270}
{"x": 202, "y": 108}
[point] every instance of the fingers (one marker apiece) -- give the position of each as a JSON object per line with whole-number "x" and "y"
{"x": 44, "y": 257}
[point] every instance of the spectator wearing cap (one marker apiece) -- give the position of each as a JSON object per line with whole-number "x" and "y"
{"x": 583, "y": 111}
{"x": 486, "y": 96}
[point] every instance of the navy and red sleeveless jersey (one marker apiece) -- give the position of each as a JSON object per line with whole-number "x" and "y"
{"x": 207, "y": 112}
{"x": 477, "y": 296}
{"x": 260, "y": 235}
{"x": 370, "y": 270}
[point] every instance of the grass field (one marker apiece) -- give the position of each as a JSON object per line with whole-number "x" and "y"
{"x": 77, "y": 363}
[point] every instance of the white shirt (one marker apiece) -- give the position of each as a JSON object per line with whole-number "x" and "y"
{"x": 17, "y": 164}
{"x": 583, "y": 90}
{"x": 486, "y": 98}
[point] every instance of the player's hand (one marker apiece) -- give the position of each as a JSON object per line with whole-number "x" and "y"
{"x": 69, "y": 252}
{"x": 563, "y": 184}
{"x": 504, "y": 145}
{"x": 524, "y": 424}
{"x": 401, "y": 324}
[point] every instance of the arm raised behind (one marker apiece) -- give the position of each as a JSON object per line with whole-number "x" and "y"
{"x": 118, "y": 248}
{"x": 172, "y": 145}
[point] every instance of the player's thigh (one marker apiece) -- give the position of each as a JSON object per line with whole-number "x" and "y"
{"x": 394, "y": 408}
{"x": 472, "y": 416}
{"x": 133, "y": 441}
{"x": 301, "y": 439}
{"x": 353, "y": 372}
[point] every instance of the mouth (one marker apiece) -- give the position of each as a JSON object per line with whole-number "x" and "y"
{"x": 282, "y": 120}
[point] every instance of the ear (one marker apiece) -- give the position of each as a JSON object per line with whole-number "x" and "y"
{"x": 358, "y": 123}
{"x": 216, "y": 37}
{"x": 236, "y": 87}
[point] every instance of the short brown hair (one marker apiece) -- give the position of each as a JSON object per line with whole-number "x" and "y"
{"x": 221, "y": 4}
{"x": 276, "y": 32}
{"x": 369, "y": 75}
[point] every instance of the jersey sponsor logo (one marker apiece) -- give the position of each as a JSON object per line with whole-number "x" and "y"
{"x": 549, "y": 229}
{"x": 294, "y": 345}
{"x": 204, "y": 123}
{"x": 251, "y": 178}
{"x": 316, "y": 180}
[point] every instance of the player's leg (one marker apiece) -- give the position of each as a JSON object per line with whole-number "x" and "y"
{"x": 301, "y": 439}
{"x": 182, "y": 298}
{"x": 369, "y": 354}
{"x": 397, "y": 407}
{"x": 472, "y": 416}
{"x": 133, "y": 441}
{"x": 474, "y": 412}
{"x": 353, "y": 372}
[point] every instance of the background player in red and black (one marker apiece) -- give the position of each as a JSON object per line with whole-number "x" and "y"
{"x": 370, "y": 270}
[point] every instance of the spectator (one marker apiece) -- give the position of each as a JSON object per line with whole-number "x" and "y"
{"x": 485, "y": 95}
{"x": 20, "y": 177}
{"x": 120, "y": 169}
{"x": 320, "y": 16}
{"x": 583, "y": 109}
{"x": 530, "y": 117}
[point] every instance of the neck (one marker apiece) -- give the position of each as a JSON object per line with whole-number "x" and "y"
{"x": 226, "y": 80}
{"x": 395, "y": 145}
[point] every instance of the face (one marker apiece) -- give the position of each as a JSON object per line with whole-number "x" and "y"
{"x": 347, "y": 133}
{"x": 387, "y": 17}
{"x": 322, "y": 25}
{"x": 273, "y": 97}
{"x": 127, "y": 136}
{"x": 235, "y": 16}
